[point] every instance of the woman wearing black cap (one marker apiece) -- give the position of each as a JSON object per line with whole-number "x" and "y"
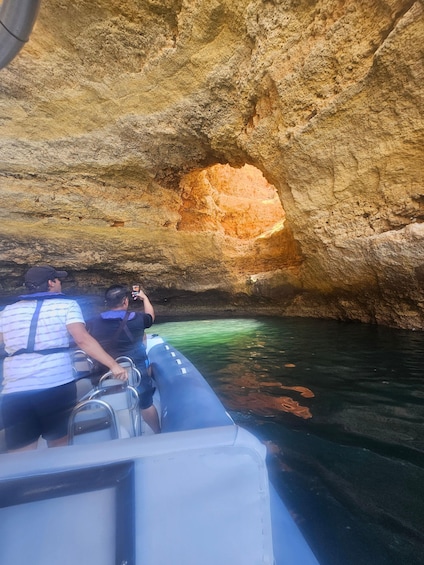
{"x": 39, "y": 390}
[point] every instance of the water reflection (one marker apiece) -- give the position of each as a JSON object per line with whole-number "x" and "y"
{"x": 247, "y": 392}
{"x": 245, "y": 385}
{"x": 340, "y": 407}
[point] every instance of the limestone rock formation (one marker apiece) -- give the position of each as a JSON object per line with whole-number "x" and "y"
{"x": 232, "y": 155}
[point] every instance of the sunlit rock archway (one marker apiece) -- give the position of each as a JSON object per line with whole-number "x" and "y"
{"x": 236, "y": 202}
{"x": 245, "y": 214}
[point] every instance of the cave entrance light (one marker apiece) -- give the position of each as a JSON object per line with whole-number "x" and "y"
{"x": 239, "y": 203}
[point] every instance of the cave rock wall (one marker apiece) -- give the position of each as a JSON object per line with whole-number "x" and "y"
{"x": 234, "y": 154}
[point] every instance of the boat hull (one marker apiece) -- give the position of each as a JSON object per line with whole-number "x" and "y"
{"x": 198, "y": 493}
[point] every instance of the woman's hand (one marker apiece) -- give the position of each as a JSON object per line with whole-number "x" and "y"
{"x": 119, "y": 372}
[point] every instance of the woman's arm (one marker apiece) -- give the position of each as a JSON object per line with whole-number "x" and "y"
{"x": 87, "y": 343}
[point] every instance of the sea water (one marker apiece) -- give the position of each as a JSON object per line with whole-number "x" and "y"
{"x": 340, "y": 407}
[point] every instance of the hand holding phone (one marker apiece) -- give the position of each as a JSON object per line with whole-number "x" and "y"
{"x": 135, "y": 291}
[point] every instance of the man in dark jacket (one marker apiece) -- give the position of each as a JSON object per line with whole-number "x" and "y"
{"x": 121, "y": 332}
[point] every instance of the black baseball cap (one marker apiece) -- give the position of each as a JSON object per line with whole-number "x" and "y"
{"x": 35, "y": 276}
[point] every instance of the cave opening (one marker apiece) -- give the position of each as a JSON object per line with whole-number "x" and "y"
{"x": 244, "y": 216}
{"x": 235, "y": 202}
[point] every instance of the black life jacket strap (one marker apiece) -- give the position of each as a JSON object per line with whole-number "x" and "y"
{"x": 33, "y": 327}
{"x": 31, "y": 337}
{"x": 40, "y": 351}
{"x": 122, "y": 328}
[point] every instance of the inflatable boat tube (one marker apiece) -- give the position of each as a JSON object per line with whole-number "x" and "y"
{"x": 187, "y": 401}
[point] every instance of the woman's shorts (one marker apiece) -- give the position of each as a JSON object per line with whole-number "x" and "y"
{"x": 145, "y": 395}
{"x": 31, "y": 414}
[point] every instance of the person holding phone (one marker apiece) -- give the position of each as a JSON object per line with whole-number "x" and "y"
{"x": 121, "y": 333}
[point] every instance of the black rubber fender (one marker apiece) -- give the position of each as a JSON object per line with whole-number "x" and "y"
{"x": 17, "y": 19}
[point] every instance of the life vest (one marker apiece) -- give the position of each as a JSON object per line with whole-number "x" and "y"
{"x": 39, "y": 297}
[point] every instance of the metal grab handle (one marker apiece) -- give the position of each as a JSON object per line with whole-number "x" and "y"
{"x": 124, "y": 359}
{"x": 81, "y": 362}
{"x": 129, "y": 402}
{"x": 82, "y": 406}
{"x": 134, "y": 378}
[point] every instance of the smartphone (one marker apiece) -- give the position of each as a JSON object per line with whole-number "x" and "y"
{"x": 135, "y": 290}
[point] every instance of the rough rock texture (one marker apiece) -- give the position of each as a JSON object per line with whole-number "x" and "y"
{"x": 125, "y": 131}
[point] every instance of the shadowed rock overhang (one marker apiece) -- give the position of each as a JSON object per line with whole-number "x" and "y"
{"x": 136, "y": 137}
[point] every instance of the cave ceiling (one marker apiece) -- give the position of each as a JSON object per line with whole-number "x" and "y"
{"x": 231, "y": 155}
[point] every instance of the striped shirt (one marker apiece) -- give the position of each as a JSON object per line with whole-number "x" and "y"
{"x": 33, "y": 371}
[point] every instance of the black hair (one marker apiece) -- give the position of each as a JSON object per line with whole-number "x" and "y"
{"x": 115, "y": 295}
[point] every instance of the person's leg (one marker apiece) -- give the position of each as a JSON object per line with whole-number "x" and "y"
{"x": 148, "y": 409}
{"x": 54, "y": 407}
{"x": 21, "y": 425}
{"x": 150, "y": 416}
{"x": 146, "y": 391}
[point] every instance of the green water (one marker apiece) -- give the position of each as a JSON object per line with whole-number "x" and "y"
{"x": 341, "y": 409}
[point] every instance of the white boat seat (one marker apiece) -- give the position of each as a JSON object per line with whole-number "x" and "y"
{"x": 120, "y": 395}
{"x": 92, "y": 421}
{"x": 82, "y": 364}
{"x": 123, "y": 399}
